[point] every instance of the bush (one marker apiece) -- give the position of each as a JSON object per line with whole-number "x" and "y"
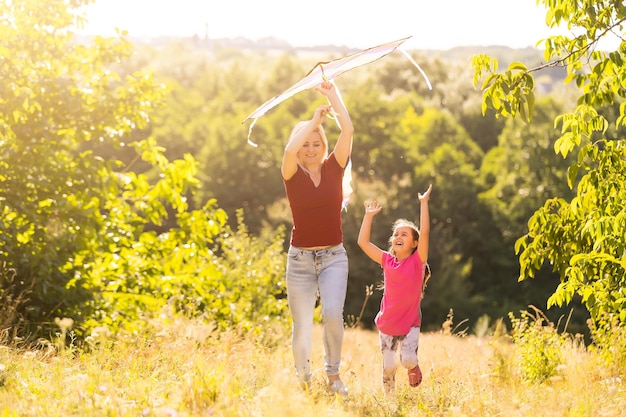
{"x": 609, "y": 342}
{"x": 538, "y": 346}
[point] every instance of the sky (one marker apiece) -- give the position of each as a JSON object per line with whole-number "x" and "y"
{"x": 432, "y": 24}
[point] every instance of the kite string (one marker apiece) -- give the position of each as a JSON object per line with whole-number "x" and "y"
{"x": 331, "y": 114}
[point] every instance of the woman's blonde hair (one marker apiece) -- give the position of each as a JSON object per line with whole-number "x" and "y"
{"x": 320, "y": 129}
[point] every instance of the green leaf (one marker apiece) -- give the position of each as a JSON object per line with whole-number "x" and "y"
{"x": 517, "y": 66}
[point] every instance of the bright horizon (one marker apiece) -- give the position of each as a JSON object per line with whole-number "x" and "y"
{"x": 352, "y": 23}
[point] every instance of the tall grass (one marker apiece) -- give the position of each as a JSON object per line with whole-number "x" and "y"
{"x": 184, "y": 368}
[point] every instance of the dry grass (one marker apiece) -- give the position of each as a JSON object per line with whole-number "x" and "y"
{"x": 183, "y": 369}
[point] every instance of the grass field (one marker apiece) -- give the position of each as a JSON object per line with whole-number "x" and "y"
{"x": 182, "y": 368}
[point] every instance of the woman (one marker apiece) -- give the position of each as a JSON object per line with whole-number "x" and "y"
{"x": 317, "y": 260}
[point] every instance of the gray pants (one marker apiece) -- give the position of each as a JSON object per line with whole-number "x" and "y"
{"x": 408, "y": 355}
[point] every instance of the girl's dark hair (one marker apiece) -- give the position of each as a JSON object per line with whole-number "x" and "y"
{"x": 426, "y": 278}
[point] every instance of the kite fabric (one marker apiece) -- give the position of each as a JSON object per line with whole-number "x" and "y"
{"x": 323, "y": 71}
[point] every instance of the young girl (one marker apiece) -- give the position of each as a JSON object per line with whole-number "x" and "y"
{"x": 404, "y": 267}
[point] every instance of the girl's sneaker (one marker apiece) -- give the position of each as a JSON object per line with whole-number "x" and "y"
{"x": 415, "y": 376}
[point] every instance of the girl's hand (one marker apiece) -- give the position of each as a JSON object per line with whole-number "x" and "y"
{"x": 372, "y": 207}
{"x": 424, "y": 197}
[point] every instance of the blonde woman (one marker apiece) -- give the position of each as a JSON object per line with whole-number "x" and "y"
{"x": 317, "y": 260}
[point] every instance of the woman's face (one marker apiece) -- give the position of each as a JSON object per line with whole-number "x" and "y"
{"x": 313, "y": 150}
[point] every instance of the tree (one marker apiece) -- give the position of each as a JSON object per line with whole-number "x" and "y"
{"x": 78, "y": 231}
{"x": 64, "y": 204}
{"x": 583, "y": 238}
{"x": 523, "y": 171}
{"x": 415, "y": 147}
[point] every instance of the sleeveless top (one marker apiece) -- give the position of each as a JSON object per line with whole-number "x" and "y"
{"x": 316, "y": 211}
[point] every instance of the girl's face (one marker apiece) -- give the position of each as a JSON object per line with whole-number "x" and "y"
{"x": 403, "y": 241}
{"x": 313, "y": 150}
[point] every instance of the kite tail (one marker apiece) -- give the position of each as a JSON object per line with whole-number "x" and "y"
{"x": 346, "y": 181}
{"x": 250, "y": 134}
{"x": 346, "y": 185}
{"x": 410, "y": 58}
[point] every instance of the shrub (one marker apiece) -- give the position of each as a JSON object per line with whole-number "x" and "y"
{"x": 537, "y": 345}
{"x": 609, "y": 342}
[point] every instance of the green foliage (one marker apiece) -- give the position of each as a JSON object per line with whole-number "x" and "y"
{"x": 251, "y": 291}
{"x": 57, "y": 95}
{"x": 199, "y": 268}
{"x": 204, "y": 115}
{"x": 583, "y": 239}
{"x": 406, "y": 137}
{"x": 95, "y": 235}
{"x": 523, "y": 171}
{"x": 394, "y": 158}
{"x": 509, "y": 93}
{"x": 110, "y": 176}
{"x": 519, "y": 175}
{"x": 12, "y": 300}
{"x": 610, "y": 345}
{"x": 538, "y": 346}
{"x": 138, "y": 272}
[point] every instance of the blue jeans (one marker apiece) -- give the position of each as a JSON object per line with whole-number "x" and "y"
{"x": 309, "y": 272}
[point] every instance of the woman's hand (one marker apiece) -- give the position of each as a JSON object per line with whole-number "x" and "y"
{"x": 326, "y": 88}
{"x": 320, "y": 113}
